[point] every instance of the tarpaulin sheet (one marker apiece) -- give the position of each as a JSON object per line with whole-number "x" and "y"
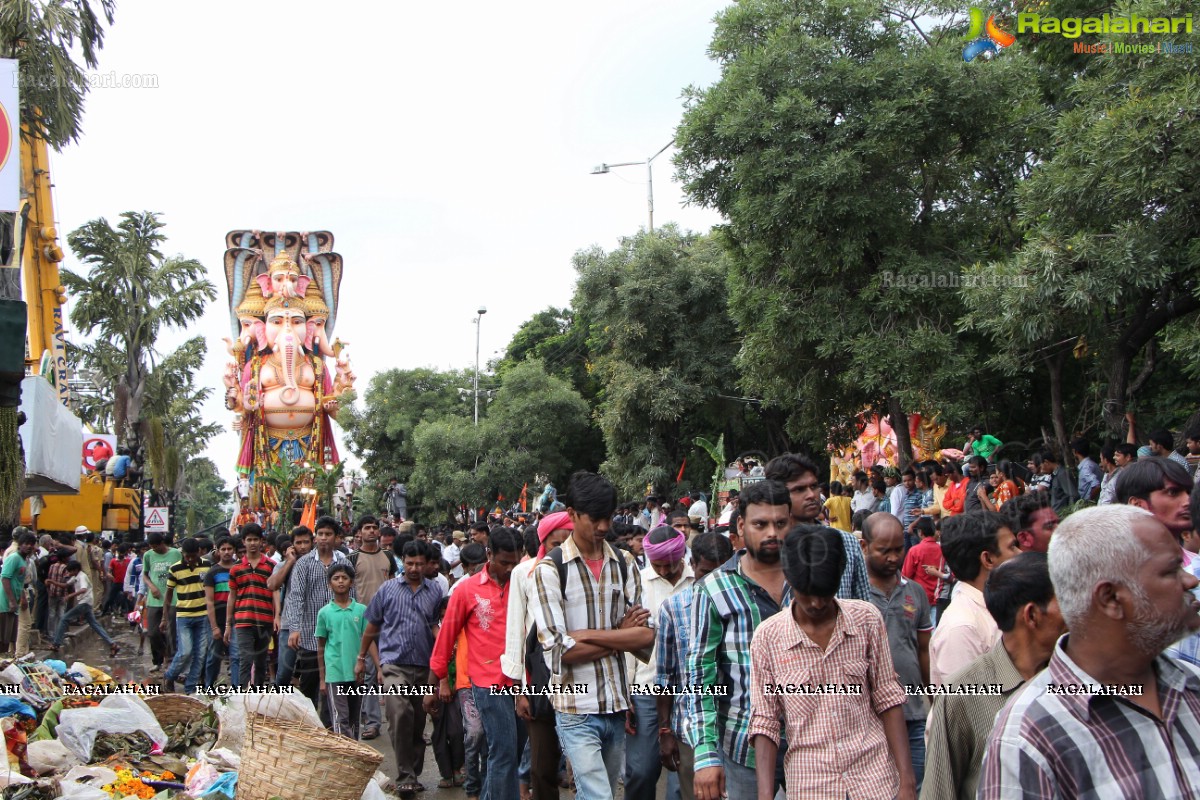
{"x": 53, "y": 440}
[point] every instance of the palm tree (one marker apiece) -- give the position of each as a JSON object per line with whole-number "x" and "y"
{"x": 44, "y": 38}
{"x": 130, "y": 293}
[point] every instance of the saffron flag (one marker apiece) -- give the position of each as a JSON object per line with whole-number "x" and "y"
{"x": 679, "y": 477}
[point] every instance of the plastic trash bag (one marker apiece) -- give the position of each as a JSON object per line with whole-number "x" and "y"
{"x": 58, "y": 666}
{"x": 200, "y": 777}
{"x": 373, "y": 791}
{"x": 50, "y": 755}
{"x": 224, "y": 759}
{"x": 231, "y": 711}
{"x": 92, "y": 776}
{"x": 12, "y": 675}
{"x": 82, "y": 791}
{"x": 10, "y": 776}
{"x": 118, "y": 713}
{"x": 224, "y": 787}
{"x": 11, "y": 705}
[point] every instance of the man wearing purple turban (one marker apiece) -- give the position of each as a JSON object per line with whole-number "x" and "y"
{"x": 666, "y": 573}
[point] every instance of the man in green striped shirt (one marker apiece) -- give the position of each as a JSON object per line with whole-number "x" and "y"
{"x": 185, "y": 582}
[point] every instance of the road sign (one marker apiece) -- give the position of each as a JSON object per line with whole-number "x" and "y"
{"x": 158, "y": 519}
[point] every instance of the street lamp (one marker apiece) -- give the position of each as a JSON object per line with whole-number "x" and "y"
{"x": 478, "y": 320}
{"x": 649, "y": 162}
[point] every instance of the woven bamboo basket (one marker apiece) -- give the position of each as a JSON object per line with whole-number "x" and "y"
{"x": 171, "y": 708}
{"x": 294, "y": 761}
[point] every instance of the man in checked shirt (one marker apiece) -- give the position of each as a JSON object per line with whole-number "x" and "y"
{"x": 587, "y": 619}
{"x": 729, "y": 604}
{"x": 709, "y": 551}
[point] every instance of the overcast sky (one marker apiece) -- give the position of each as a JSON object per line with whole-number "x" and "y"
{"x": 447, "y": 146}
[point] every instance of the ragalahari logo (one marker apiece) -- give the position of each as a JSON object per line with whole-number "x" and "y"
{"x": 984, "y": 38}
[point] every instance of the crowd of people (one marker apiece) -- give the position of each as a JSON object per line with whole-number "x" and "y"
{"x": 938, "y": 632}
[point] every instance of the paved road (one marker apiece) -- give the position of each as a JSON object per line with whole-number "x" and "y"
{"x": 128, "y": 666}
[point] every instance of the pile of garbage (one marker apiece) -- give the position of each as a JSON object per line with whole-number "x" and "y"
{"x": 72, "y": 732}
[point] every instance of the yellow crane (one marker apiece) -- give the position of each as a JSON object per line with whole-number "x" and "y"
{"x": 98, "y": 505}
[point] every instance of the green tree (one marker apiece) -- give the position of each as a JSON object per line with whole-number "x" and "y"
{"x": 130, "y": 294}
{"x": 204, "y": 495}
{"x": 532, "y": 414}
{"x": 554, "y": 337}
{"x": 396, "y": 402}
{"x": 661, "y": 347}
{"x": 45, "y": 38}
{"x": 860, "y": 164}
{"x": 1110, "y": 233}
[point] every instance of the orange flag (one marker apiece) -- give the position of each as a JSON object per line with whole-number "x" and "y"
{"x": 679, "y": 477}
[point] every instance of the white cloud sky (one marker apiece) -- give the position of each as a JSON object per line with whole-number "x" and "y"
{"x": 447, "y": 146}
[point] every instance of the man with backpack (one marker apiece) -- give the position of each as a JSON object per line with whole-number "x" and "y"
{"x": 594, "y": 585}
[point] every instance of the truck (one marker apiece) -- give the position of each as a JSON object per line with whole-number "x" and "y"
{"x": 56, "y": 459}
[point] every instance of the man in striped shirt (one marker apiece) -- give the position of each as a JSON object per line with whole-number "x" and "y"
{"x": 709, "y": 551}
{"x": 251, "y": 608}
{"x": 1112, "y": 715}
{"x": 185, "y": 581}
{"x": 587, "y": 620}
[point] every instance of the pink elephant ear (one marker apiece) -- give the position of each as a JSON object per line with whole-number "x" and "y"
{"x": 260, "y": 334}
{"x": 264, "y": 283}
{"x": 302, "y": 282}
{"x": 310, "y": 328}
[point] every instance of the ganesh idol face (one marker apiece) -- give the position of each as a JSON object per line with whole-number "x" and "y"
{"x": 285, "y": 329}
{"x": 284, "y": 282}
{"x": 252, "y": 331}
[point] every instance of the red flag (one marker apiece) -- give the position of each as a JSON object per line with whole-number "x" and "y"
{"x": 679, "y": 477}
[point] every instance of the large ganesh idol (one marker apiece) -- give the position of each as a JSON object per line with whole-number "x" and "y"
{"x": 283, "y": 290}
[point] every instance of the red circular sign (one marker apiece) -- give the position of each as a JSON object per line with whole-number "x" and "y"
{"x": 5, "y": 136}
{"x": 94, "y": 450}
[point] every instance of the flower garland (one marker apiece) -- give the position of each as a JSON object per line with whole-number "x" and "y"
{"x": 129, "y": 785}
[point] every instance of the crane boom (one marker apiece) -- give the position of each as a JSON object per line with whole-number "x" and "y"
{"x": 40, "y": 257}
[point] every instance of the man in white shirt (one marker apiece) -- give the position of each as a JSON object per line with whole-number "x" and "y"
{"x": 730, "y": 506}
{"x": 698, "y": 511}
{"x": 544, "y": 750}
{"x": 973, "y": 545}
{"x": 452, "y": 553}
{"x": 864, "y": 498}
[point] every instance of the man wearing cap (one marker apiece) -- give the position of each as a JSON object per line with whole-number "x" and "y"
{"x": 666, "y": 573}
{"x": 544, "y": 750}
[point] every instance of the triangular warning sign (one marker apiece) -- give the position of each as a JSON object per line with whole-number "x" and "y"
{"x": 155, "y": 518}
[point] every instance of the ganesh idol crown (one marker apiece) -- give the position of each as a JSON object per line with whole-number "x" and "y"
{"x": 283, "y": 300}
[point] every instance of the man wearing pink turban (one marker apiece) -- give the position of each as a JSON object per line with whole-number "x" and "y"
{"x": 544, "y": 751}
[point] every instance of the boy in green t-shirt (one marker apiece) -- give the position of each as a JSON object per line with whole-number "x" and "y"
{"x": 156, "y": 563}
{"x": 340, "y": 627}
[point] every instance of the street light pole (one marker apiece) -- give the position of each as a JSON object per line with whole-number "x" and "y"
{"x": 478, "y": 328}
{"x": 603, "y": 169}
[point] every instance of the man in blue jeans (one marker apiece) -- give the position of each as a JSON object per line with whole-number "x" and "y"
{"x": 480, "y": 607}
{"x": 81, "y": 593}
{"x": 216, "y": 595}
{"x": 598, "y": 587}
{"x": 185, "y": 582}
{"x": 666, "y": 573}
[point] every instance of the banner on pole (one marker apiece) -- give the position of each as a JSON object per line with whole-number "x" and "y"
{"x": 10, "y": 137}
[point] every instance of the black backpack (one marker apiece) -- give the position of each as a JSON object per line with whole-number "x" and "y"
{"x": 535, "y": 660}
